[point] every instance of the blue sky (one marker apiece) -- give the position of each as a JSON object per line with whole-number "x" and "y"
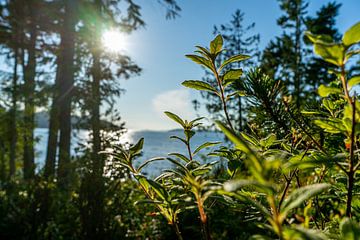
{"x": 160, "y": 48}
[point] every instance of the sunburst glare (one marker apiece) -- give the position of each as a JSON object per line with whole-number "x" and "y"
{"x": 114, "y": 41}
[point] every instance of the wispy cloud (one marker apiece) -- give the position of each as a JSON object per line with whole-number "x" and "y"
{"x": 176, "y": 101}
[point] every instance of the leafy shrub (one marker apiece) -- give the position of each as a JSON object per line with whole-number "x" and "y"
{"x": 295, "y": 178}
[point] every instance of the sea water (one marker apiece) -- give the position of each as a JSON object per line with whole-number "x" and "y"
{"x": 156, "y": 144}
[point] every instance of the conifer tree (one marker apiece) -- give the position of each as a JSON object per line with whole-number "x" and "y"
{"x": 288, "y": 57}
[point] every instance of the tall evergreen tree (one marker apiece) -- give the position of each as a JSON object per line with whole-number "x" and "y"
{"x": 29, "y": 72}
{"x": 284, "y": 58}
{"x": 66, "y": 85}
{"x": 288, "y": 58}
{"x": 12, "y": 34}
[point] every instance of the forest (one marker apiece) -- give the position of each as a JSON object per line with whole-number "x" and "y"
{"x": 289, "y": 116}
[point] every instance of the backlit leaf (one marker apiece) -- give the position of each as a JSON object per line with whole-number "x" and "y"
{"x": 149, "y": 161}
{"x": 216, "y": 45}
{"x": 236, "y": 58}
{"x": 137, "y": 148}
{"x": 175, "y": 117}
{"x": 325, "y": 91}
{"x": 352, "y": 35}
{"x": 332, "y": 53}
{"x": 201, "y": 60}
{"x": 318, "y": 37}
{"x": 331, "y": 125}
{"x": 298, "y": 196}
{"x": 205, "y": 145}
{"x": 199, "y": 85}
{"x": 232, "y": 74}
{"x": 354, "y": 81}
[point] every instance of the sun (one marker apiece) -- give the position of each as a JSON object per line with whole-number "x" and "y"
{"x": 114, "y": 41}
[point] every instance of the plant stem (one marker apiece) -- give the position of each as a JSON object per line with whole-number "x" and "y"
{"x": 288, "y": 180}
{"x": 351, "y": 166}
{"x": 275, "y": 217}
{"x": 189, "y": 150}
{"x": 177, "y": 231}
{"x": 222, "y": 97}
{"x": 344, "y": 84}
{"x": 318, "y": 145}
{"x": 203, "y": 219}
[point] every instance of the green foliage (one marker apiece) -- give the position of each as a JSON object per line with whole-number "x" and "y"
{"x": 291, "y": 174}
{"x": 292, "y": 182}
{"x": 352, "y": 35}
{"x": 349, "y": 229}
{"x": 236, "y": 39}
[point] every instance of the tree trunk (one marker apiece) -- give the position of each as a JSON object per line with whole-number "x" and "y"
{"x": 13, "y": 126}
{"x": 50, "y": 160}
{"x": 97, "y": 190}
{"x": 95, "y": 228}
{"x": 29, "y": 111}
{"x": 66, "y": 87}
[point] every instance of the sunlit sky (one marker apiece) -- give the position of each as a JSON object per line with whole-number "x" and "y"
{"x": 160, "y": 48}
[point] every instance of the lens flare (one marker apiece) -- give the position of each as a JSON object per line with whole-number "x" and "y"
{"x": 114, "y": 41}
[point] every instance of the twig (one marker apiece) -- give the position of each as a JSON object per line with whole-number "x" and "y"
{"x": 311, "y": 138}
{"x": 351, "y": 167}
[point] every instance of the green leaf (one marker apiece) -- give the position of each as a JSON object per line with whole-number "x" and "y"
{"x": 318, "y": 38}
{"x": 234, "y": 185}
{"x": 204, "y": 51}
{"x": 143, "y": 181}
{"x": 297, "y": 197}
{"x": 242, "y": 196}
{"x": 147, "y": 201}
{"x": 349, "y": 229}
{"x": 234, "y": 94}
{"x": 268, "y": 141}
{"x": 205, "y": 145}
{"x": 160, "y": 190}
{"x": 236, "y": 58}
{"x": 331, "y": 125}
{"x": 351, "y": 53}
{"x": 352, "y": 35}
{"x": 232, "y": 75}
{"x": 192, "y": 123}
{"x": 353, "y": 81}
{"x": 325, "y": 91}
{"x": 296, "y": 232}
{"x": 216, "y": 45}
{"x": 179, "y": 138}
{"x": 332, "y": 53}
{"x": 202, "y": 61}
{"x": 176, "y": 118}
{"x": 149, "y": 161}
{"x": 178, "y": 164}
{"x": 250, "y": 138}
{"x": 137, "y": 148}
{"x": 252, "y": 160}
{"x": 180, "y": 156}
{"x": 259, "y": 237}
{"x": 328, "y": 104}
{"x": 199, "y": 85}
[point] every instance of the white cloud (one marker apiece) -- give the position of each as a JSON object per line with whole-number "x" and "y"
{"x": 175, "y": 101}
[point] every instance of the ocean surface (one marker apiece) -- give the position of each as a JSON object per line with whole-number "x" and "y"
{"x": 156, "y": 144}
